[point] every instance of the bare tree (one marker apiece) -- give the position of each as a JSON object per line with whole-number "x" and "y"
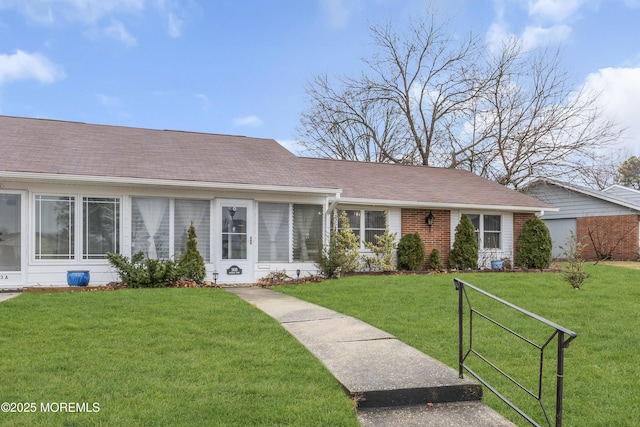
{"x": 401, "y": 110}
{"x": 528, "y": 121}
{"x": 427, "y": 97}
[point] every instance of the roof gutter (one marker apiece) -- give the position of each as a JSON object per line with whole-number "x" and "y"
{"x": 120, "y": 181}
{"x": 416, "y": 204}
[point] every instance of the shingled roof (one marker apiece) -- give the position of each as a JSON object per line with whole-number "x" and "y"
{"x": 41, "y": 147}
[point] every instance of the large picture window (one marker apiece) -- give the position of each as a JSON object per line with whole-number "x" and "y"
{"x": 196, "y": 212}
{"x": 307, "y": 232}
{"x": 55, "y": 219}
{"x": 154, "y": 234}
{"x": 101, "y": 227}
{"x": 150, "y": 227}
{"x": 273, "y": 232}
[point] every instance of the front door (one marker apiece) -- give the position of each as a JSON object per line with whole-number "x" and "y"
{"x": 235, "y": 241}
{"x": 11, "y": 236}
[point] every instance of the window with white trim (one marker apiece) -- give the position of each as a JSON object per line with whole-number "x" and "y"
{"x": 100, "y": 227}
{"x": 488, "y": 230}
{"x": 55, "y": 227}
{"x": 159, "y": 226}
{"x": 367, "y": 223}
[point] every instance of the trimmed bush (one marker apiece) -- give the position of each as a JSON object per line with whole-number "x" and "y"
{"x": 534, "y": 245}
{"x": 464, "y": 254}
{"x": 343, "y": 254}
{"x": 435, "y": 262}
{"x": 191, "y": 264}
{"x": 141, "y": 272}
{"x": 410, "y": 252}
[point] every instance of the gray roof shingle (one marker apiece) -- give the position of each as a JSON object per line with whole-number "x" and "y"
{"x": 44, "y": 146}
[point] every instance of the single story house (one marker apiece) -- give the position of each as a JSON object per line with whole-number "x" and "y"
{"x": 71, "y": 192}
{"x": 606, "y": 221}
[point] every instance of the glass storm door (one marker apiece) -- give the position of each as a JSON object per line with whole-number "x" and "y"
{"x": 10, "y": 239}
{"x": 235, "y": 255}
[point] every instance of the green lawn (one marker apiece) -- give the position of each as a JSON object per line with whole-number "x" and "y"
{"x": 193, "y": 357}
{"x": 601, "y": 365}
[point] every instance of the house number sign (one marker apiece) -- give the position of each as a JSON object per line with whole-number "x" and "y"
{"x": 4, "y": 277}
{"x": 234, "y": 270}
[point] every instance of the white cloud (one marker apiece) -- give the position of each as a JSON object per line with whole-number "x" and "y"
{"x": 175, "y": 26}
{"x": 252, "y": 121}
{"x": 336, "y": 12}
{"x": 117, "y": 31}
{"x": 619, "y": 98}
{"x": 533, "y": 37}
{"x": 108, "y": 101}
{"x": 204, "y": 99}
{"x": 28, "y": 66}
{"x": 555, "y": 10}
{"x": 86, "y": 11}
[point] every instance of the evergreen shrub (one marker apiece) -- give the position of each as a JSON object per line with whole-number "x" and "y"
{"x": 534, "y": 245}
{"x": 410, "y": 252}
{"x": 464, "y": 254}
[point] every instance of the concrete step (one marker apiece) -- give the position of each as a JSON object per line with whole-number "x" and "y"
{"x": 455, "y": 414}
{"x": 373, "y": 366}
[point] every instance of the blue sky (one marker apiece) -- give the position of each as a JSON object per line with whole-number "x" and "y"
{"x": 240, "y": 67}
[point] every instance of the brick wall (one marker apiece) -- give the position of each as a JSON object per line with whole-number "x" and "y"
{"x": 438, "y": 236}
{"x": 617, "y": 235}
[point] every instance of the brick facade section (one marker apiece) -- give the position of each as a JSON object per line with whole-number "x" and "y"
{"x": 619, "y": 233}
{"x": 438, "y": 236}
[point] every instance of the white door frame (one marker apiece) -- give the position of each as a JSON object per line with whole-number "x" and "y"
{"x": 238, "y": 267}
{"x": 15, "y": 279}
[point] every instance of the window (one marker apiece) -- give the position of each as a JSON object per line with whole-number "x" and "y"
{"x": 372, "y": 222}
{"x": 307, "y": 232}
{"x": 153, "y": 233}
{"x": 273, "y": 232}
{"x": 10, "y": 232}
{"x": 54, "y": 228}
{"x": 374, "y": 225}
{"x": 488, "y": 229}
{"x": 194, "y": 212}
{"x": 234, "y": 232}
{"x": 100, "y": 227}
{"x": 150, "y": 227}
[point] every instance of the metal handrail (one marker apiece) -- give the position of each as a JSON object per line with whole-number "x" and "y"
{"x": 564, "y": 336}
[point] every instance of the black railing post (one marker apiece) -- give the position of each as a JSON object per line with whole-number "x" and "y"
{"x": 560, "y": 379}
{"x": 459, "y": 287}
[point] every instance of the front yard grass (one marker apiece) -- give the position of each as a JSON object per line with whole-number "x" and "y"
{"x": 601, "y": 364}
{"x": 193, "y": 357}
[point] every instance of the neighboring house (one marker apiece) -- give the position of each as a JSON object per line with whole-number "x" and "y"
{"x": 606, "y": 221}
{"x": 72, "y": 192}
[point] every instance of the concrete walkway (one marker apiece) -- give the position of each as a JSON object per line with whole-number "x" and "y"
{"x": 6, "y": 295}
{"x": 395, "y": 384}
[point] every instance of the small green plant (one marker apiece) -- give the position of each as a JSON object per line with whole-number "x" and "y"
{"x": 383, "y": 249}
{"x": 343, "y": 254}
{"x": 435, "y": 262}
{"x": 141, "y": 272}
{"x": 191, "y": 264}
{"x": 464, "y": 254}
{"x": 410, "y": 252}
{"x": 573, "y": 270}
{"x": 534, "y": 245}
